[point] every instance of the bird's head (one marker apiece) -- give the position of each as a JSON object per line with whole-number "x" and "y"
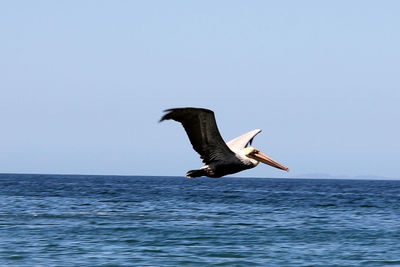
{"x": 255, "y": 154}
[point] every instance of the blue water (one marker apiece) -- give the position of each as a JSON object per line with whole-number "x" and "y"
{"x": 70, "y": 220}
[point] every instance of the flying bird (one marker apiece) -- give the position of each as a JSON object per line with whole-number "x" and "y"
{"x": 219, "y": 158}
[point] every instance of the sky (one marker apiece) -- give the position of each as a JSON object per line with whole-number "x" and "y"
{"x": 84, "y": 83}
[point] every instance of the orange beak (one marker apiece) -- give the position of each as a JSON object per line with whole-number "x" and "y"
{"x": 267, "y": 160}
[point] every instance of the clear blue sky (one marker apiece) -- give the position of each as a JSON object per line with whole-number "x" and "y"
{"x": 83, "y": 84}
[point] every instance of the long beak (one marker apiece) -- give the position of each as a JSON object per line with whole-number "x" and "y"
{"x": 267, "y": 160}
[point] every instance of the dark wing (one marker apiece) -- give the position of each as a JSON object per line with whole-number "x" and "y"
{"x": 202, "y": 131}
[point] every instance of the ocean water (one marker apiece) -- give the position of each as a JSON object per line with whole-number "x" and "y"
{"x": 71, "y": 220}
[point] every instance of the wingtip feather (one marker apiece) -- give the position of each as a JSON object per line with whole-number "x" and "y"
{"x": 167, "y": 115}
{"x": 171, "y": 112}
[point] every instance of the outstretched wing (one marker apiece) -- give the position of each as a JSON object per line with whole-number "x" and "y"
{"x": 202, "y": 131}
{"x": 242, "y": 141}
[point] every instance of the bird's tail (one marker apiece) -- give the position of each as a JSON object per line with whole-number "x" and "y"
{"x": 196, "y": 173}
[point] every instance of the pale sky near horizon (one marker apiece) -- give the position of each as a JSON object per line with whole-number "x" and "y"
{"x": 84, "y": 83}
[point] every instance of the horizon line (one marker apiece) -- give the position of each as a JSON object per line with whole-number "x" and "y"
{"x": 302, "y": 177}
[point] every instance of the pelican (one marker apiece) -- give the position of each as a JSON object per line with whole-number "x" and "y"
{"x": 219, "y": 158}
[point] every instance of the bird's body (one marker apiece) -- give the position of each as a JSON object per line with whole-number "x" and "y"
{"x": 221, "y": 168}
{"x": 219, "y": 158}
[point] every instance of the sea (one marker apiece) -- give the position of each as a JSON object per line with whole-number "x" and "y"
{"x": 89, "y": 220}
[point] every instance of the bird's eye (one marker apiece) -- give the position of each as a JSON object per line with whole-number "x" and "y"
{"x": 252, "y": 153}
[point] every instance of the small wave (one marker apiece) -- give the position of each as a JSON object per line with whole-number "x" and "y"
{"x": 381, "y": 262}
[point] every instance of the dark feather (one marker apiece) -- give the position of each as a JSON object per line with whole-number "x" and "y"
{"x": 250, "y": 142}
{"x": 202, "y": 131}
